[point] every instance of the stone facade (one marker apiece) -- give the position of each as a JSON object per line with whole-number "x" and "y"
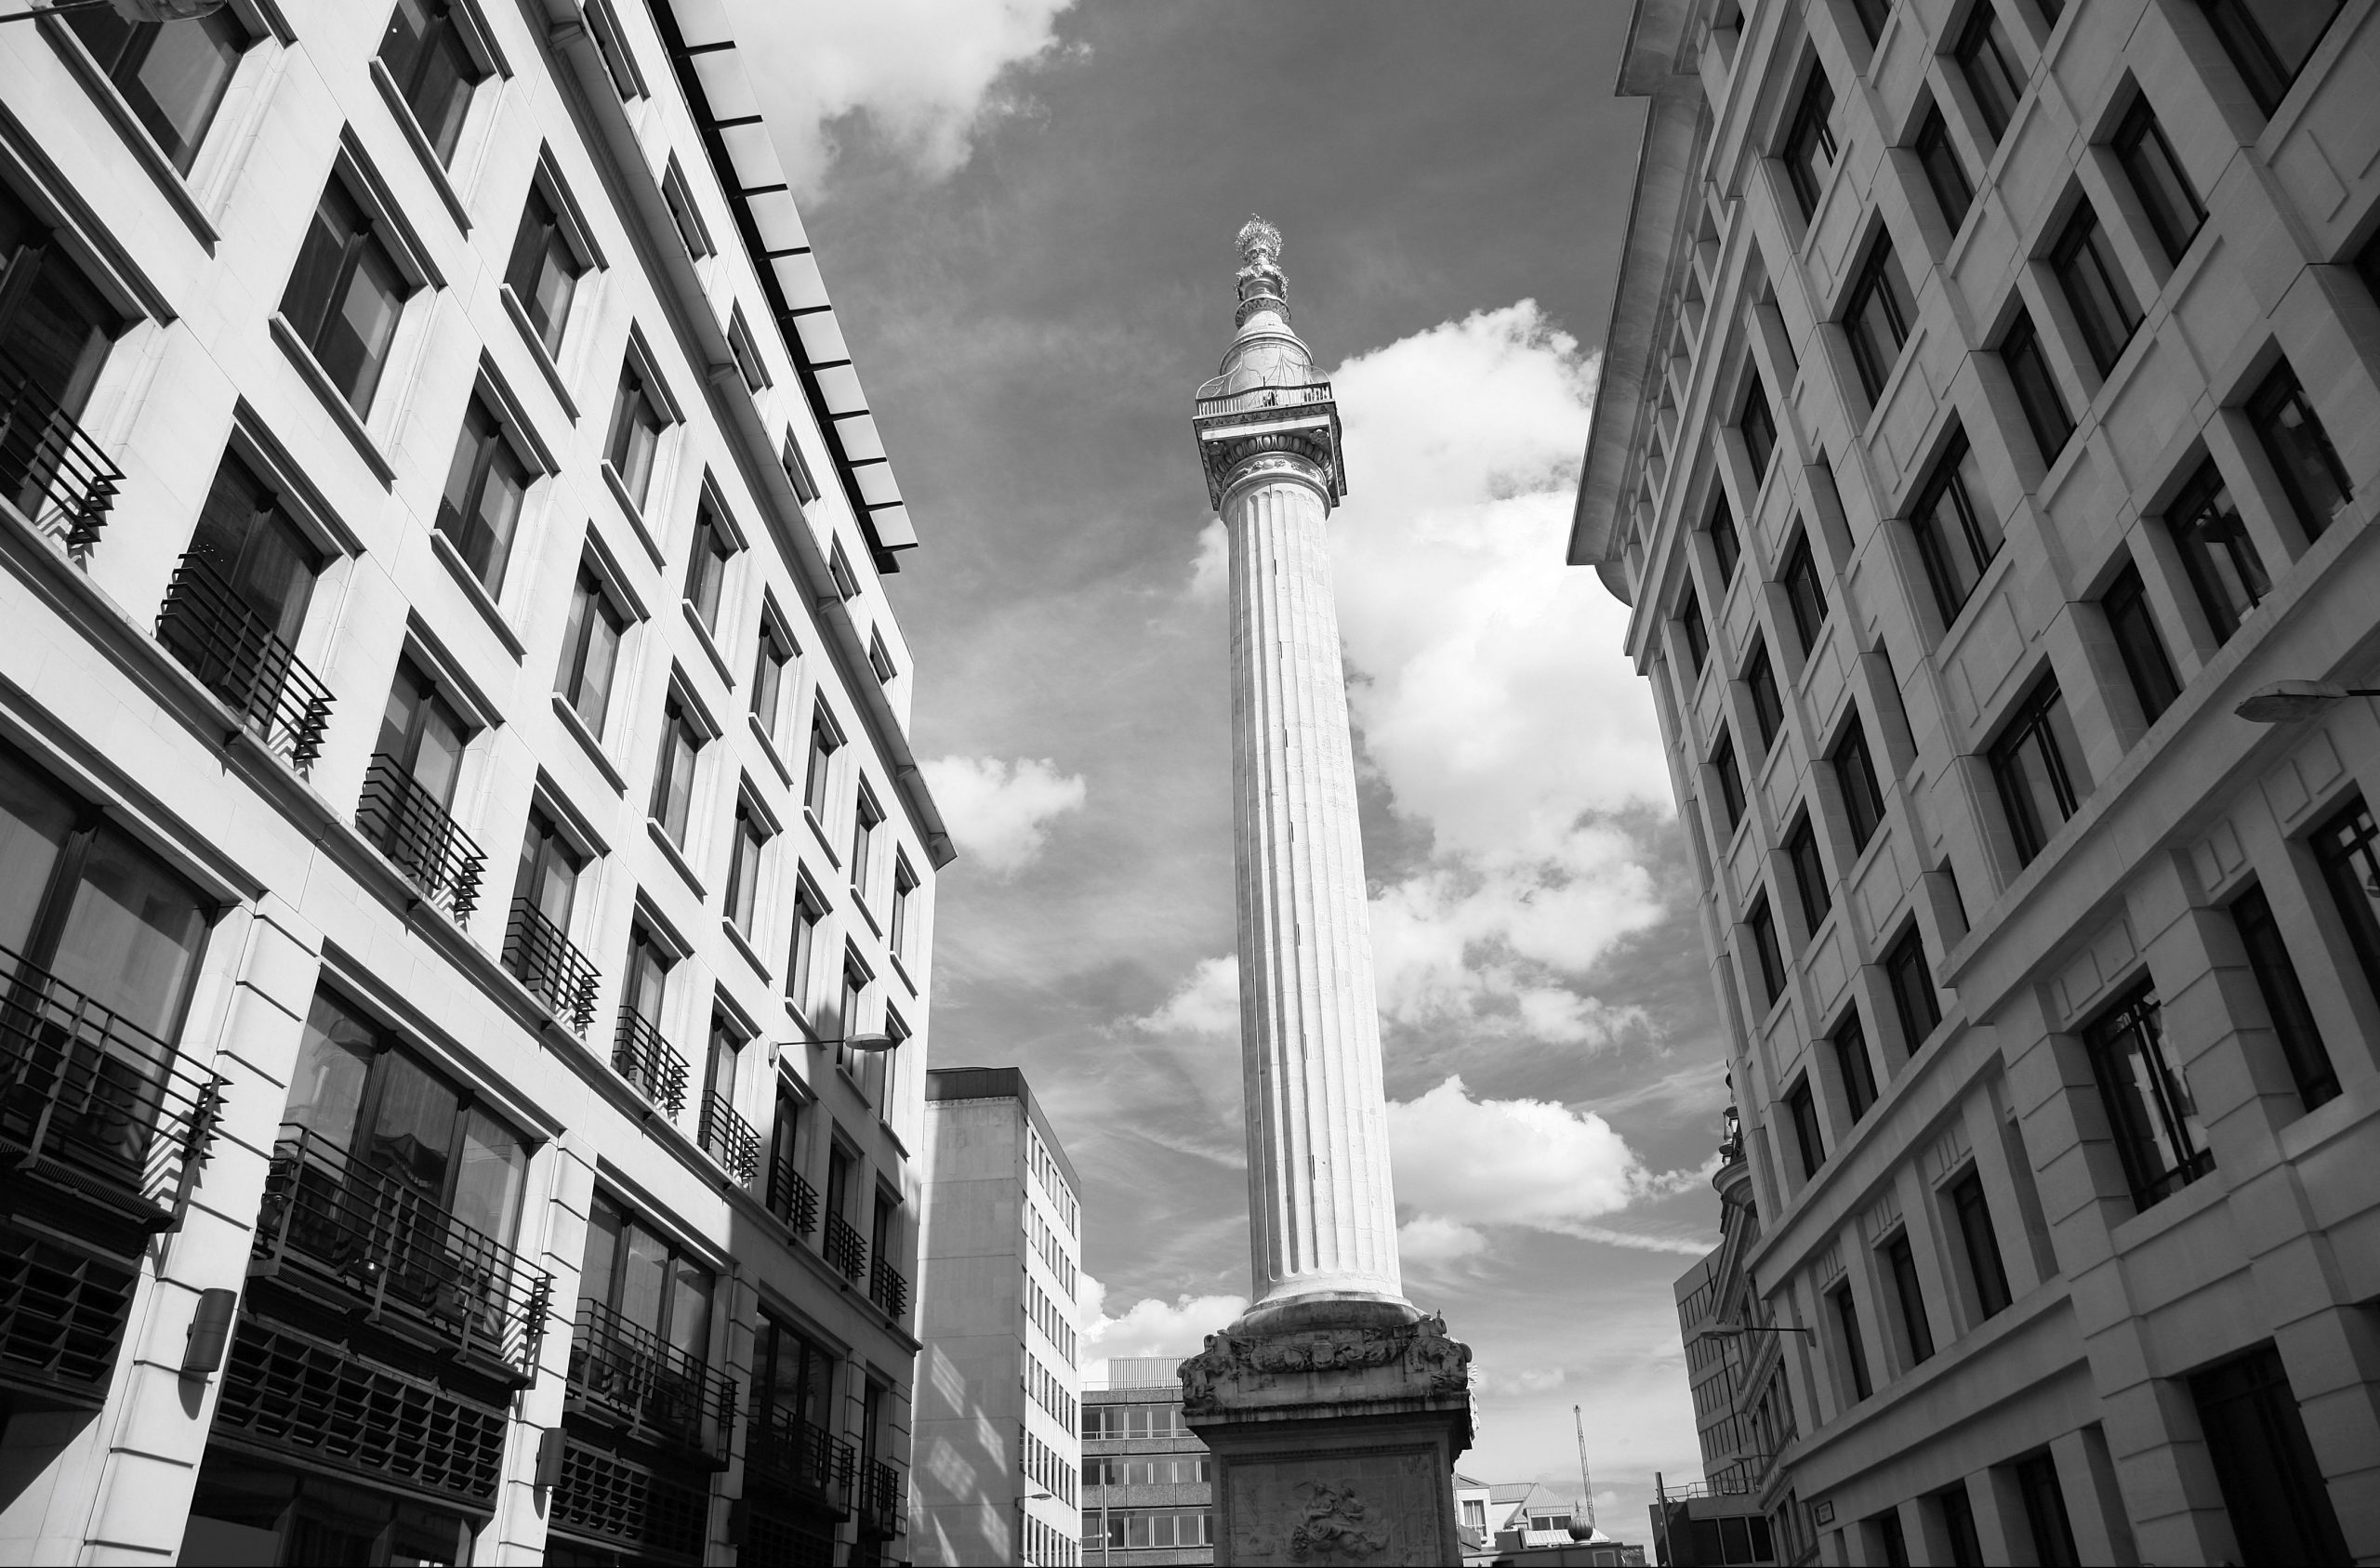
{"x": 1992, "y": 406}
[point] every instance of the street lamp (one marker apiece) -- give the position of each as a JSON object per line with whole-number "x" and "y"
{"x": 2285, "y": 701}
{"x": 1737, "y": 1331}
{"x": 1024, "y": 1498}
{"x": 876, "y": 1040}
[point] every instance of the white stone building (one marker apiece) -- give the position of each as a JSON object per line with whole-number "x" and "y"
{"x": 999, "y": 1420}
{"x": 455, "y": 791}
{"x": 1991, "y": 406}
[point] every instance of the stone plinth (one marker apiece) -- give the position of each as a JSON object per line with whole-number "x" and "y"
{"x": 1334, "y": 1428}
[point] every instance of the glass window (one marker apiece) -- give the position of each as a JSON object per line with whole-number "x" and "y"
{"x": 1724, "y": 543}
{"x": 2349, "y": 847}
{"x": 1981, "y": 1245}
{"x": 1911, "y": 979}
{"x": 480, "y": 510}
{"x": 1809, "y": 150}
{"x": 819, "y": 770}
{"x": 421, "y": 731}
{"x": 793, "y": 1372}
{"x": 1877, "y": 318}
{"x": 2269, "y": 41}
{"x": 1957, "y": 535}
{"x": 2126, "y": 604}
{"x": 2045, "y": 1512}
{"x": 173, "y": 74}
{"x": 904, "y": 891}
{"x": 2272, "y": 1483}
{"x": 2222, "y": 563}
{"x": 590, "y": 650}
{"x": 1863, "y": 798}
{"x": 2300, "y": 449}
{"x": 257, "y": 557}
{"x": 1954, "y": 193}
{"x": 706, "y": 568}
{"x": 1759, "y": 428}
{"x": 2151, "y": 1110}
{"x": 1871, "y": 13}
{"x": 345, "y": 294}
{"x": 645, "y": 986}
{"x": 2284, "y": 999}
{"x": 1767, "y": 708}
{"x": 1763, "y": 925}
{"x": 425, "y": 53}
{"x": 635, "y": 440}
{"x": 838, "y": 567}
{"x": 1804, "y": 594}
{"x": 1958, "y": 1525}
{"x": 1697, "y": 639}
{"x": 1802, "y": 1107}
{"x": 1917, "y": 1334}
{"x": 769, "y": 678}
{"x": 673, "y": 777}
{"x": 880, "y": 659}
{"x": 1988, "y": 62}
{"x": 2095, "y": 288}
{"x": 547, "y": 879}
{"x": 796, "y": 472}
{"x": 2037, "y": 391}
{"x": 544, "y": 270}
{"x": 1809, "y": 873}
{"x": 1731, "y": 783}
{"x": 806, "y": 915}
{"x": 633, "y": 1271}
{"x": 1853, "y": 1345}
{"x": 864, "y": 824}
{"x": 2030, "y": 763}
{"x": 2156, "y": 179}
{"x": 744, "y": 868}
{"x": 1859, "y": 1074}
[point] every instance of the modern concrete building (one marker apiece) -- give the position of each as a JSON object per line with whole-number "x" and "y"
{"x": 1148, "y": 1484}
{"x": 455, "y": 793}
{"x": 997, "y": 1477}
{"x": 1990, "y": 410}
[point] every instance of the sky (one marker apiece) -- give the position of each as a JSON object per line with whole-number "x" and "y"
{"x": 1024, "y": 211}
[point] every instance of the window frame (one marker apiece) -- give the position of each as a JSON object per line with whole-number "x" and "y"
{"x": 123, "y": 59}
{"x": 2132, "y": 624}
{"x": 2296, "y": 459}
{"x": 1881, "y": 290}
{"x": 747, "y": 844}
{"x": 1862, "y": 791}
{"x": 1696, "y": 634}
{"x": 1731, "y": 783}
{"x": 1756, "y": 422}
{"x": 633, "y": 461}
{"x": 1909, "y": 974}
{"x": 2039, "y": 728}
{"x": 2109, "y": 318}
{"x": 1809, "y": 873}
{"x": 1809, "y": 141}
{"x": 1996, "y": 102}
{"x": 1946, "y": 172}
{"x": 364, "y": 246}
{"x": 2026, "y": 358}
{"x": 1761, "y": 920}
{"x": 2168, "y": 200}
{"x": 1805, "y": 595}
{"x": 1852, "y": 1343}
{"x": 2343, "y": 847}
{"x": 708, "y": 552}
{"x": 496, "y": 447}
{"x": 1987, "y": 1267}
{"x": 557, "y": 245}
{"x": 1909, "y": 1295}
{"x": 1768, "y": 702}
{"x": 1854, "y": 1066}
{"x": 1973, "y": 541}
{"x": 449, "y": 32}
{"x": 2287, "y": 1011}
{"x": 591, "y": 590}
{"x": 2200, "y": 500}
{"x": 677, "y": 772}
{"x": 1809, "y": 1138}
{"x": 2267, "y": 76}
{"x": 2151, "y": 1113}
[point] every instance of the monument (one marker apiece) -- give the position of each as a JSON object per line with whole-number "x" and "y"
{"x": 1334, "y": 1408}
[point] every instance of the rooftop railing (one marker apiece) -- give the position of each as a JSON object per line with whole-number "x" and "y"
{"x": 541, "y": 957}
{"x": 410, "y": 825}
{"x": 845, "y": 1248}
{"x": 729, "y": 1138}
{"x": 632, "y": 1375}
{"x": 222, "y": 640}
{"x": 644, "y": 1059}
{"x": 1260, "y": 401}
{"x": 787, "y": 1454}
{"x": 50, "y": 465}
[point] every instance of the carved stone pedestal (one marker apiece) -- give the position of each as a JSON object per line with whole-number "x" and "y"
{"x": 1334, "y": 1427}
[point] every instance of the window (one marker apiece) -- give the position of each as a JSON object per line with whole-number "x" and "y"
{"x": 2269, "y": 43}
{"x": 1957, "y": 1510}
{"x": 838, "y": 567}
{"x": 345, "y": 294}
{"x": 2036, "y": 386}
{"x": 880, "y": 659}
{"x": 480, "y": 510}
{"x": 743, "y": 867}
{"x": 2045, "y": 1512}
{"x": 793, "y": 1374}
{"x": 2222, "y": 560}
{"x": 2095, "y": 290}
{"x": 905, "y": 892}
{"x": 1802, "y": 1109}
{"x": 807, "y": 913}
{"x": 1804, "y": 595}
{"x": 1871, "y": 13}
{"x": 1957, "y": 535}
{"x": 590, "y": 650}
{"x": 1767, "y": 708}
{"x": 633, "y": 1279}
{"x": 1698, "y": 639}
{"x": 1944, "y": 172}
{"x": 1851, "y": 1060}
{"x": 706, "y": 567}
{"x": 1759, "y": 430}
{"x": 1724, "y": 543}
{"x": 1763, "y": 926}
{"x": 1809, "y": 150}
{"x": 422, "y": 734}
{"x": 769, "y": 677}
{"x": 2284, "y": 998}
{"x": 1853, "y": 1344}
{"x": 547, "y": 883}
{"x": 824, "y": 741}
{"x": 865, "y": 822}
{"x": 2150, "y": 1112}
{"x": 1731, "y": 783}
{"x": 2029, "y": 761}
{"x": 427, "y": 56}
{"x": 544, "y": 272}
{"x": 1891, "y": 1541}
{"x": 2127, "y": 605}
{"x": 746, "y": 352}
{"x": 2156, "y": 179}
{"x": 1809, "y": 873}
{"x": 796, "y": 472}
{"x": 637, "y": 424}
{"x": 2272, "y": 1483}
{"x": 2349, "y": 847}
{"x": 1917, "y": 1335}
{"x": 673, "y": 776}
{"x": 691, "y": 229}
{"x": 1980, "y": 1243}
{"x": 849, "y": 1006}
{"x": 2300, "y": 449}
{"x": 1911, "y": 979}
{"x": 1877, "y": 318}
{"x": 172, "y": 73}
{"x": 261, "y": 563}
{"x": 1988, "y": 62}
{"x": 1863, "y": 798}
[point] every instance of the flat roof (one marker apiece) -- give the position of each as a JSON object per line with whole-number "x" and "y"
{"x": 1003, "y": 1082}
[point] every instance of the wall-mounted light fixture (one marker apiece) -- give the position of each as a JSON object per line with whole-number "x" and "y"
{"x": 210, "y": 1331}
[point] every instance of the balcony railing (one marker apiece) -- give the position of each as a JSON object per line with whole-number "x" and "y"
{"x": 1257, "y": 402}
{"x": 631, "y": 1376}
{"x": 879, "y": 1500}
{"x": 408, "y": 825}
{"x": 54, "y": 472}
{"x": 784, "y": 1454}
{"x": 210, "y": 628}
{"x": 887, "y": 1287}
{"x": 644, "y": 1059}
{"x": 540, "y": 958}
{"x": 792, "y": 1199}
{"x": 403, "y": 1256}
{"x": 846, "y": 1249}
{"x": 729, "y": 1138}
{"x": 96, "y": 1102}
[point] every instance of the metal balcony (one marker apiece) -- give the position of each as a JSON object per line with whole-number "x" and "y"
{"x": 408, "y": 825}
{"x": 644, "y": 1059}
{"x": 629, "y": 1375}
{"x": 97, "y": 1106}
{"x": 729, "y": 1138}
{"x": 365, "y": 1236}
{"x": 845, "y": 1248}
{"x": 788, "y": 1457}
{"x": 879, "y": 1501}
{"x": 540, "y": 958}
{"x": 887, "y": 1287}
{"x": 235, "y": 651}
{"x": 792, "y": 1199}
{"x": 53, "y": 471}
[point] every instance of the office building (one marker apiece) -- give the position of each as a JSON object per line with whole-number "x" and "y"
{"x": 1148, "y": 1484}
{"x": 1990, "y": 414}
{"x": 999, "y": 1476}
{"x": 453, "y": 759}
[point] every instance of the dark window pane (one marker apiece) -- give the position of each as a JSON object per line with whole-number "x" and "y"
{"x": 2300, "y": 450}
{"x": 1981, "y": 1242}
{"x": 1809, "y": 150}
{"x": 706, "y": 570}
{"x": 2095, "y": 288}
{"x": 1863, "y": 798}
{"x": 424, "y": 52}
{"x": 590, "y": 650}
{"x": 1803, "y": 1110}
{"x": 345, "y": 294}
{"x": 2030, "y": 763}
{"x": 1859, "y": 1074}
{"x": 1855, "y": 1347}
{"x": 2046, "y": 1513}
{"x": 1944, "y": 171}
{"x": 2164, "y": 190}
{"x": 1871, "y": 13}
{"x": 1772, "y": 962}
{"x": 1698, "y": 639}
{"x": 1731, "y": 783}
{"x": 1767, "y": 708}
{"x": 1912, "y": 985}
{"x": 1724, "y": 543}
{"x": 2284, "y": 998}
{"x": 2222, "y": 563}
{"x": 636, "y": 435}
{"x": 173, "y": 74}
{"x": 2272, "y": 1484}
{"x": 1809, "y": 874}
{"x": 1916, "y": 1333}
{"x": 2270, "y": 40}
{"x": 2126, "y": 604}
{"x": 2037, "y": 391}
{"x": 1877, "y": 319}
{"x": 1988, "y": 62}
{"x": 1759, "y": 428}
{"x": 1958, "y": 1525}
{"x": 2349, "y": 847}
{"x": 1957, "y": 535}
{"x": 2151, "y": 1110}
{"x": 543, "y": 272}
{"x": 481, "y": 506}
{"x": 1804, "y": 593}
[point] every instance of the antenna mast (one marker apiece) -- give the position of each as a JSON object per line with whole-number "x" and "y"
{"x": 1581, "y": 1422}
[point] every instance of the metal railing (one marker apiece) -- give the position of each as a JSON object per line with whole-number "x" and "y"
{"x": 88, "y": 1096}
{"x": 540, "y": 958}
{"x": 644, "y": 1059}
{"x": 634, "y": 1375}
{"x": 1260, "y": 401}
{"x": 845, "y": 1248}
{"x": 729, "y": 1138}
{"x": 410, "y": 825}
{"x": 784, "y": 1454}
{"x": 375, "y": 1236}
{"x": 887, "y": 1287}
{"x": 792, "y": 1199}
{"x": 220, "y": 638}
{"x": 49, "y": 467}
{"x": 879, "y": 1500}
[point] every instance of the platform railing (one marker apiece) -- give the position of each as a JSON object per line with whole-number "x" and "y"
{"x": 50, "y": 465}
{"x": 409, "y": 825}
{"x": 223, "y": 640}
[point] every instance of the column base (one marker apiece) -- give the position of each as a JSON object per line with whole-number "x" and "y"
{"x": 1334, "y": 1426}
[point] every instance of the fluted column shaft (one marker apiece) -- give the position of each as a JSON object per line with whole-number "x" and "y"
{"x": 1322, "y": 1218}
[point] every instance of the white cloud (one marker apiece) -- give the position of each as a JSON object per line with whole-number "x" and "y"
{"x": 927, "y": 75}
{"x": 1151, "y": 1326}
{"x": 1212, "y": 571}
{"x": 1207, "y": 1003}
{"x": 999, "y": 812}
{"x": 1425, "y": 1238}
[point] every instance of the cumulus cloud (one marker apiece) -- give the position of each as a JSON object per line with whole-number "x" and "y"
{"x": 1211, "y": 573}
{"x": 1207, "y": 1003}
{"x": 926, "y": 74}
{"x": 1151, "y": 1326}
{"x": 999, "y": 812}
{"x": 1426, "y": 1239}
